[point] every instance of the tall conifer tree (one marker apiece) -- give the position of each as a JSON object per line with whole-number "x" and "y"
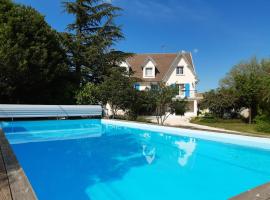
{"x": 91, "y": 37}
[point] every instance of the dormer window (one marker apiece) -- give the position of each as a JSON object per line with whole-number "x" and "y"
{"x": 149, "y": 72}
{"x": 179, "y": 70}
{"x": 126, "y": 69}
{"x": 125, "y": 66}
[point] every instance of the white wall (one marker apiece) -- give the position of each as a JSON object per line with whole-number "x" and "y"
{"x": 187, "y": 77}
{"x": 109, "y": 111}
{"x": 192, "y": 113}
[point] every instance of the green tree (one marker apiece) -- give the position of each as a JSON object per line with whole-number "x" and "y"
{"x": 219, "y": 101}
{"x": 88, "y": 95}
{"x": 180, "y": 107}
{"x": 33, "y": 67}
{"x": 133, "y": 103}
{"x": 91, "y": 37}
{"x": 163, "y": 101}
{"x": 117, "y": 90}
{"x": 266, "y": 83}
{"x": 245, "y": 79}
{"x": 148, "y": 106}
{"x": 139, "y": 103}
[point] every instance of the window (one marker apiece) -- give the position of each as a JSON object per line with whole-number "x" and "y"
{"x": 125, "y": 66}
{"x": 149, "y": 71}
{"x": 179, "y": 70}
{"x": 125, "y": 69}
{"x": 137, "y": 86}
{"x": 154, "y": 87}
{"x": 181, "y": 88}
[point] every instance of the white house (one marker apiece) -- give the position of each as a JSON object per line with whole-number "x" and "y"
{"x": 171, "y": 68}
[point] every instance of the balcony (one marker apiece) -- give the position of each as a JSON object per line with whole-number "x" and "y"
{"x": 182, "y": 94}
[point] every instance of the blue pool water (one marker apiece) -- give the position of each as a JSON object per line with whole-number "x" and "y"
{"x": 91, "y": 159}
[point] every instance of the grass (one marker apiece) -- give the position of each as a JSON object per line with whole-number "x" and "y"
{"x": 229, "y": 124}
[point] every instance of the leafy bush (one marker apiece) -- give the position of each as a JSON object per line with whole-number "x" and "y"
{"x": 220, "y": 102}
{"x": 139, "y": 103}
{"x": 263, "y": 123}
{"x": 163, "y": 101}
{"x": 180, "y": 107}
{"x": 88, "y": 95}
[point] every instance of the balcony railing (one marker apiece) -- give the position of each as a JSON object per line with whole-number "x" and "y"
{"x": 182, "y": 94}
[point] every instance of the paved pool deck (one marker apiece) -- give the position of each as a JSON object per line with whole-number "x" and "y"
{"x": 259, "y": 193}
{"x": 14, "y": 184}
{"x": 184, "y": 122}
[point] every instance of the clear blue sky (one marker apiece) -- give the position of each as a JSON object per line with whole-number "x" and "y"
{"x": 219, "y": 33}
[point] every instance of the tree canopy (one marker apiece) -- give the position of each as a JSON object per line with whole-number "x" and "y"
{"x": 245, "y": 80}
{"x": 163, "y": 101}
{"x": 117, "y": 89}
{"x": 41, "y": 66}
{"x": 33, "y": 67}
{"x": 219, "y": 101}
{"x": 91, "y": 37}
{"x": 89, "y": 95}
{"x": 247, "y": 85}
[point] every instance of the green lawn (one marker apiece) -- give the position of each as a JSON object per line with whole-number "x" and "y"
{"x": 235, "y": 125}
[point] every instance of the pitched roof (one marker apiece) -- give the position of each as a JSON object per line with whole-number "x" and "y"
{"x": 163, "y": 62}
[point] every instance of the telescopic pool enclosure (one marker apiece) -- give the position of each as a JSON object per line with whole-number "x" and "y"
{"x": 57, "y": 111}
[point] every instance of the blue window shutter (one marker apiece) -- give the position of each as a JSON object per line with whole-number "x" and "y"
{"x": 137, "y": 86}
{"x": 187, "y": 90}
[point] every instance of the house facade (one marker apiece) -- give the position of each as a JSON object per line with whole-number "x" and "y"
{"x": 170, "y": 68}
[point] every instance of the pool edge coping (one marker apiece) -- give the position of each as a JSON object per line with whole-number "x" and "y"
{"x": 225, "y": 137}
{"x": 209, "y": 129}
{"x": 18, "y": 183}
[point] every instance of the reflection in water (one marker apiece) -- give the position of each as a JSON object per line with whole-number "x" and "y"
{"x": 149, "y": 153}
{"x": 18, "y": 132}
{"x": 146, "y": 135}
{"x": 186, "y": 150}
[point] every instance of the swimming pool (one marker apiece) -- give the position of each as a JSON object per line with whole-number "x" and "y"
{"x": 107, "y": 160}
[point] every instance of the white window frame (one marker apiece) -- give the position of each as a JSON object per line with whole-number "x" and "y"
{"x": 181, "y": 89}
{"x": 178, "y": 74}
{"x": 149, "y": 76}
